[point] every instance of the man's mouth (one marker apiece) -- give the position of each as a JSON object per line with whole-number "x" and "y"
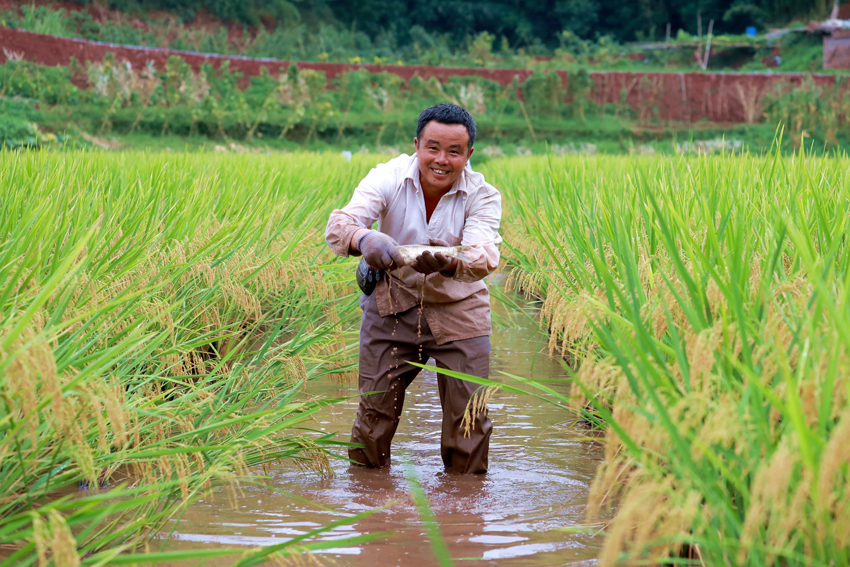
{"x": 440, "y": 172}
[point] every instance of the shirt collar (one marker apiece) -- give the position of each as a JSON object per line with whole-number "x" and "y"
{"x": 413, "y": 174}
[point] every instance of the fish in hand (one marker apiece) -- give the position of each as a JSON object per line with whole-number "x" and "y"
{"x": 411, "y": 252}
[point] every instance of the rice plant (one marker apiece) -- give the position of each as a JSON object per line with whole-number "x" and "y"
{"x": 159, "y": 319}
{"x": 703, "y": 305}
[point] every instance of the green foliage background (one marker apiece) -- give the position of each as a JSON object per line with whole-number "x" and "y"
{"x": 392, "y": 21}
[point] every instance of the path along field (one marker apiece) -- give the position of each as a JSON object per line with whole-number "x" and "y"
{"x": 705, "y": 305}
{"x": 160, "y": 315}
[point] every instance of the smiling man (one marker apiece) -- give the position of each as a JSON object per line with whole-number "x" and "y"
{"x": 438, "y": 307}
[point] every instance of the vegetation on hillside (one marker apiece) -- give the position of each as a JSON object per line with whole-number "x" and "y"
{"x": 522, "y": 24}
{"x": 500, "y": 37}
{"x": 299, "y": 107}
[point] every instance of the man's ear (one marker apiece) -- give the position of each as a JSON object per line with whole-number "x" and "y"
{"x": 416, "y": 144}
{"x": 470, "y": 153}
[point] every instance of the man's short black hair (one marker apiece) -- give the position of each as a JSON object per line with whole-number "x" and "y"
{"x": 447, "y": 113}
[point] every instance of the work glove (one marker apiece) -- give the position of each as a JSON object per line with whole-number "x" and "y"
{"x": 380, "y": 251}
{"x": 427, "y": 263}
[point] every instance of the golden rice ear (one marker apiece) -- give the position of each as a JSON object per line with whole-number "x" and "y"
{"x": 477, "y": 405}
{"x": 62, "y": 542}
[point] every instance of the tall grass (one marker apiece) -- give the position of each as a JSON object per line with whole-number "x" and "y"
{"x": 159, "y": 318}
{"x": 704, "y": 305}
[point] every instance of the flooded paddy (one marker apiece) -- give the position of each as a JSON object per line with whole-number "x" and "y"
{"x": 519, "y": 513}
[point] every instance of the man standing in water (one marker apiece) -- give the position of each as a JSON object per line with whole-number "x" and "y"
{"x": 438, "y": 307}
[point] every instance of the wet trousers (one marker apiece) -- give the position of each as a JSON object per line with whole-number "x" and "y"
{"x": 386, "y": 346}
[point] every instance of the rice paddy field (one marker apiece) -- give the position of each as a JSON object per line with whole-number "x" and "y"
{"x": 162, "y": 315}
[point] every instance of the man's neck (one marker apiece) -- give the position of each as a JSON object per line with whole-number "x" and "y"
{"x": 433, "y": 192}
{"x": 431, "y": 196}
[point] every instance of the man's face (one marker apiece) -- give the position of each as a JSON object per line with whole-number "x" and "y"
{"x": 443, "y": 151}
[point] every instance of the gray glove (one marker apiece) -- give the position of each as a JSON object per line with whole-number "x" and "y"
{"x": 380, "y": 251}
{"x": 427, "y": 263}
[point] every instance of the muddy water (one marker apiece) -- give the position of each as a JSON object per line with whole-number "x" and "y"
{"x": 519, "y": 513}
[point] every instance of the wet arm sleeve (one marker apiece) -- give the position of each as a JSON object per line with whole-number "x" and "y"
{"x": 481, "y": 234}
{"x": 366, "y": 206}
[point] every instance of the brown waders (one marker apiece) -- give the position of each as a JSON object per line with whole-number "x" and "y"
{"x": 385, "y": 348}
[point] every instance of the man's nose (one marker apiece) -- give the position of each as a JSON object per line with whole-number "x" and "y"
{"x": 442, "y": 157}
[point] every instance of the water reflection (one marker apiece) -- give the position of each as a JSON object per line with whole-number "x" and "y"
{"x": 516, "y": 514}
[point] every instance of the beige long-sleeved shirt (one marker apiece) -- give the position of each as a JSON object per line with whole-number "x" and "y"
{"x": 469, "y": 214}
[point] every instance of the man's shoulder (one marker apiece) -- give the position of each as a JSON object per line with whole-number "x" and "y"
{"x": 402, "y": 162}
{"x": 389, "y": 174}
{"x": 476, "y": 184}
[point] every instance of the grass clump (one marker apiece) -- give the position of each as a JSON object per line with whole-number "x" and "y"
{"x": 703, "y": 304}
{"x": 159, "y": 319}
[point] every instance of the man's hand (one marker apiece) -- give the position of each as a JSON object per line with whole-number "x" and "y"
{"x": 428, "y": 263}
{"x": 380, "y": 250}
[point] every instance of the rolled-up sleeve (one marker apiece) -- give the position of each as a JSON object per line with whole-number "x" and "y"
{"x": 481, "y": 234}
{"x": 364, "y": 209}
